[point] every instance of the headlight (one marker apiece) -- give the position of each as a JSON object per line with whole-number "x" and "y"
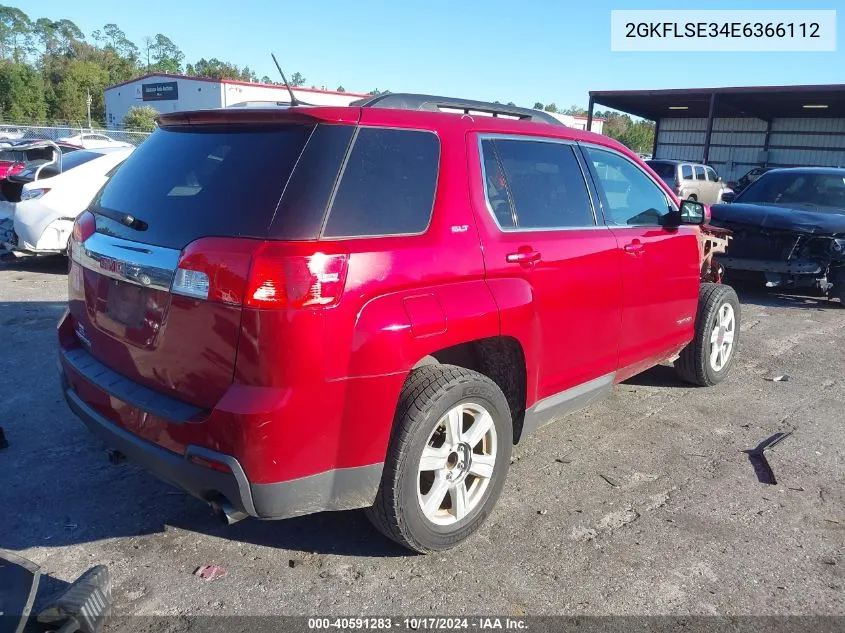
{"x": 837, "y": 246}
{"x": 32, "y": 194}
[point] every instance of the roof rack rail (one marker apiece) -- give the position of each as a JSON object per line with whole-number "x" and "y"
{"x": 432, "y": 103}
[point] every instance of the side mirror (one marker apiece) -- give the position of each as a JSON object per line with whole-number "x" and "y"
{"x": 728, "y": 196}
{"x": 692, "y": 212}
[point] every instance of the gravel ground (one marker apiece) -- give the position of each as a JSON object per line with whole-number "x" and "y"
{"x": 642, "y": 504}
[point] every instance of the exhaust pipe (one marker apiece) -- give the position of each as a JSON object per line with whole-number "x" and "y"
{"x": 226, "y": 512}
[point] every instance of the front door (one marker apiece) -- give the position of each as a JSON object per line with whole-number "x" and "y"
{"x": 660, "y": 270}
{"x": 553, "y": 269}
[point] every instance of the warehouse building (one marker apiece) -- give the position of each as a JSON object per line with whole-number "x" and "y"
{"x": 737, "y": 129}
{"x": 175, "y": 93}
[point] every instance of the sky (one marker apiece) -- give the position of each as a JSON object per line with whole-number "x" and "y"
{"x": 505, "y": 50}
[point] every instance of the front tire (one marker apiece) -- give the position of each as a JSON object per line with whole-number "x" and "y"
{"x": 447, "y": 461}
{"x": 708, "y": 358}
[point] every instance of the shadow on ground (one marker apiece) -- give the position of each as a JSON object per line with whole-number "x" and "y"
{"x": 759, "y": 295}
{"x": 48, "y": 264}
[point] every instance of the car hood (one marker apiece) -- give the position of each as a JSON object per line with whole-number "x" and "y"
{"x": 779, "y": 218}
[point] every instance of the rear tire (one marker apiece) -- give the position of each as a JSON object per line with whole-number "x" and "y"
{"x": 459, "y": 422}
{"x": 708, "y": 358}
{"x": 693, "y": 197}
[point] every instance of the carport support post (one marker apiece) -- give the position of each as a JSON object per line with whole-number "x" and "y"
{"x": 766, "y": 141}
{"x": 590, "y": 107}
{"x": 706, "y": 159}
{"x": 654, "y": 143}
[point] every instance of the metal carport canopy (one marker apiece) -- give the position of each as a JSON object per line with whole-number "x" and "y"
{"x": 761, "y": 102}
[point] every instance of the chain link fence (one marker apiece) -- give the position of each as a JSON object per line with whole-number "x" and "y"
{"x": 14, "y": 132}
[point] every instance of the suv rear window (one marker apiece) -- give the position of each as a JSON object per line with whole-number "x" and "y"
{"x": 184, "y": 183}
{"x": 664, "y": 170}
{"x": 387, "y": 186}
{"x": 75, "y": 159}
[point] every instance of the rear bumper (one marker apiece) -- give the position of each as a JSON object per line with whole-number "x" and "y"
{"x": 335, "y": 489}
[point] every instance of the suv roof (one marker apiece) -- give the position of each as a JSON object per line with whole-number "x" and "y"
{"x": 419, "y": 111}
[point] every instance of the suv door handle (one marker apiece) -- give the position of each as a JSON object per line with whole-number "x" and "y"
{"x": 634, "y": 248}
{"x": 525, "y": 255}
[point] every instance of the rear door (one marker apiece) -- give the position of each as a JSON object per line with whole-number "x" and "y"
{"x": 714, "y": 187}
{"x": 660, "y": 269}
{"x": 538, "y": 226}
{"x": 181, "y": 184}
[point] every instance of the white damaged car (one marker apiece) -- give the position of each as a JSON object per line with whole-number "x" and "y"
{"x": 41, "y": 221}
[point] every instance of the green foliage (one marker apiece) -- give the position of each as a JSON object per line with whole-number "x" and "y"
{"x": 340, "y": 89}
{"x": 47, "y": 67}
{"x": 216, "y": 69}
{"x": 377, "y": 92}
{"x": 538, "y": 105}
{"x": 141, "y": 118}
{"x": 551, "y": 108}
{"x": 21, "y": 92}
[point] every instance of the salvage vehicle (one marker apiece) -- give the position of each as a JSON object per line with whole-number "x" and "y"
{"x": 749, "y": 177}
{"x": 41, "y": 221}
{"x": 92, "y": 140}
{"x": 789, "y": 230}
{"x": 406, "y": 288}
{"x": 692, "y": 181}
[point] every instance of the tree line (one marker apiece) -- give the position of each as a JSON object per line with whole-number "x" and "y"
{"x": 49, "y": 67}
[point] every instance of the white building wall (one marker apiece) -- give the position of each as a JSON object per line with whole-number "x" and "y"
{"x": 578, "y": 122}
{"x": 201, "y": 94}
{"x": 737, "y": 144}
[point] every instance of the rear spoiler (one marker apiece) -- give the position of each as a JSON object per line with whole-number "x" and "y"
{"x": 261, "y": 115}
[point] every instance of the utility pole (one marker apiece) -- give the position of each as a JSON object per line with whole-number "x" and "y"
{"x": 88, "y": 100}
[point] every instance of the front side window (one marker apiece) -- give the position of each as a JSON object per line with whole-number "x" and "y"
{"x": 699, "y": 172}
{"x": 388, "y": 184}
{"x": 535, "y": 185}
{"x": 712, "y": 176}
{"x": 632, "y": 198}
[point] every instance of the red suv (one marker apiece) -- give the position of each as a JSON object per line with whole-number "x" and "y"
{"x": 284, "y": 311}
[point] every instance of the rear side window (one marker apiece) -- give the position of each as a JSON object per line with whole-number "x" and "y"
{"x": 699, "y": 172}
{"x": 686, "y": 172}
{"x": 535, "y": 185}
{"x": 387, "y": 186}
{"x": 188, "y": 182}
{"x": 75, "y": 159}
{"x": 664, "y": 170}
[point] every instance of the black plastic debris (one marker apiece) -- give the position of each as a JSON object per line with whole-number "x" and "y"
{"x": 757, "y": 457}
{"x": 84, "y": 606}
{"x": 4, "y": 443}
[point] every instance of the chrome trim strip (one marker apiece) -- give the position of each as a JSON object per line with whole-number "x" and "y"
{"x": 133, "y": 262}
{"x": 542, "y": 139}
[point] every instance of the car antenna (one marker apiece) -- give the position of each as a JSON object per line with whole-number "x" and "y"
{"x": 293, "y": 100}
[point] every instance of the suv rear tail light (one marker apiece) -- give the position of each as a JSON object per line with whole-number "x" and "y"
{"x": 84, "y": 227}
{"x": 261, "y": 274}
{"x": 677, "y": 187}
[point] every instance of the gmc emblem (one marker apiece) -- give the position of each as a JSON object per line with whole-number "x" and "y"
{"x": 111, "y": 265}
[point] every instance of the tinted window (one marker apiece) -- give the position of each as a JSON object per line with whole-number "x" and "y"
{"x": 307, "y": 194}
{"x": 191, "y": 182}
{"x": 75, "y": 159}
{"x": 535, "y": 185}
{"x": 711, "y": 175}
{"x": 686, "y": 172}
{"x": 633, "y": 199}
{"x": 699, "y": 172}
{"x": 797, "y": 188}
{"x": 387, "y": 186}
{"x": 664, "y": 170}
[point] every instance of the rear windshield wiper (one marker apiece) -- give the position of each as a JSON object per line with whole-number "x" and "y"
{"x": 126, "y": 219}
